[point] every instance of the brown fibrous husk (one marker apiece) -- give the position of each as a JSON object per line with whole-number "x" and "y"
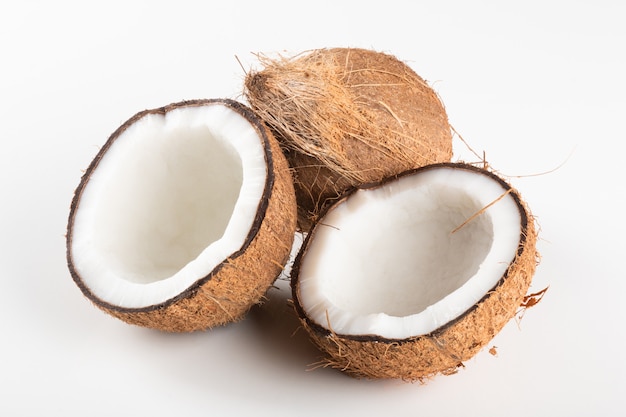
{"x": 239, "y": 282}
{"x": 347, "y": 116}
{"x": 446, "y": 349}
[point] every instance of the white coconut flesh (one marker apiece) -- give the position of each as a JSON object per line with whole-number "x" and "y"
{"x": 390, "y": 262}
{"x": 173, "y": 197}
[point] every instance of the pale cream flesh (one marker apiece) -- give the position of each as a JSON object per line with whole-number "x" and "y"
{"x": 172, "y": 198}
{"x": 403, "y": 259}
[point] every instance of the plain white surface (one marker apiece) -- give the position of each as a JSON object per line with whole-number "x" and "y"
{"x": 532, "y": 84}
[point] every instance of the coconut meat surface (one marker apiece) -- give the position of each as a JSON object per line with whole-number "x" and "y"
{"x": 389, "y": 262}
{"x": 173, "y": 197}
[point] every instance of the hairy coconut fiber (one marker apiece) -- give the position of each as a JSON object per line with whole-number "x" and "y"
{"x": 228, "y": 292}
{"x": 346, "y": 117}
{"x": 444, "y": 350}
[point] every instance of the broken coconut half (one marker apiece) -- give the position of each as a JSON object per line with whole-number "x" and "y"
{"x": 184, "y": 218}
{"x": 410, "y": 277}
{"x": 347, "y": 116}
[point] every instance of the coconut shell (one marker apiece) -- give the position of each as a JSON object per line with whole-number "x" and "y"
{"x": 235, "y": 285}
{"x": 444, "y": 350}
{"x": 348, "y": 116}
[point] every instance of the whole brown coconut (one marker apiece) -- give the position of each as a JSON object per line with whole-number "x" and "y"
{"x": 184, "y": 218}
{"x": 347, "y": 116}
{"x": 410, "y": 277}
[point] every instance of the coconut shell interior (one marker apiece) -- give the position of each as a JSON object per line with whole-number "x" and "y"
{"x": 444, "y": 350}
{"x": 241, "y": 280}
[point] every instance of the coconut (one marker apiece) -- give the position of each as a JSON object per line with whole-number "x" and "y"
{"x": 410, "y": 277}
{"x": 347, "y": 116}
{"x": 184, "y": 218}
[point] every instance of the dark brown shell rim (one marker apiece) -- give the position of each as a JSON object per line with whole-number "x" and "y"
{"x": 238, "y": 107}
{"x": 318, "y": 328}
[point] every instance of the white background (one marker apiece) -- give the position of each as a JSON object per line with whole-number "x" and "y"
{"x": 537, "y": 85}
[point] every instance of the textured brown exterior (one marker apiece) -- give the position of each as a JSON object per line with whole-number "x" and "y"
{"x": 346, "y": 117}
{"x": 228, "y": 292}
{"x": 444, "y": 350}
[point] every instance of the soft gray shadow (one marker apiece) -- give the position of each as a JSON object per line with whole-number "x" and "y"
{"x": 279, "y": 331}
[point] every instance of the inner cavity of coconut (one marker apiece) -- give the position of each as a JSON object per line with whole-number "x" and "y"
{"x": 390, "y": 261}
{"x": 172, "y": 198}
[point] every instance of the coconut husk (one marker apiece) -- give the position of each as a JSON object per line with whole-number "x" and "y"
{"x": 444, "y": 350}
{"x": 347, "y": 116}
{"x": 234, "y": 286}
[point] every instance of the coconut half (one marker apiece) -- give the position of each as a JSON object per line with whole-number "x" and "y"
{"x": 412, "y": 276}
{"x": 184, "y": 218}
{"x": 347, "y": 116}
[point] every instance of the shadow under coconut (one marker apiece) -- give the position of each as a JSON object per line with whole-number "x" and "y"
{"x": 279, "y": 330}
